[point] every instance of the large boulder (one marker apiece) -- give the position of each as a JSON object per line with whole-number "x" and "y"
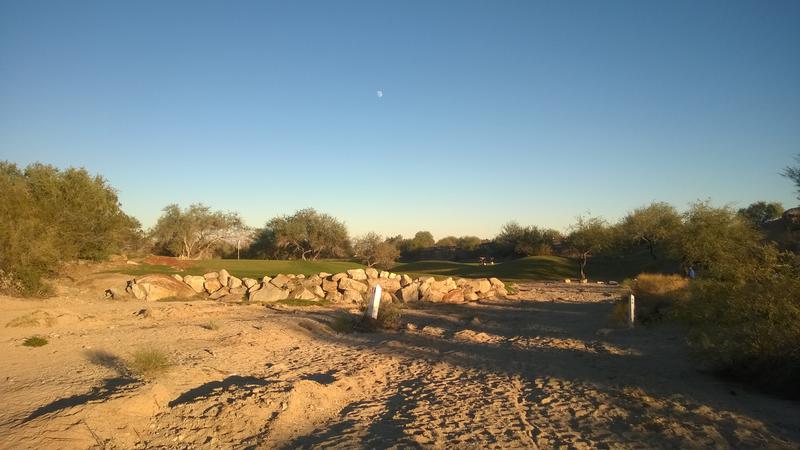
{"x": 454, "y": 296}
{"x": 268, "y": 293}
{"x": 249, "y": 282}
{"x": 405, "y": 280}
{"x": 352, "y": 297}
{"x": 480, "y": 285}
{"x": 445, "y": 285}
{"x": 387, "y": 284}
{"x": 497, "y": 284}
{"x": 158, "y": 286}
{"x": 219, "y": 294}
{"x": 223, "y": 277}
{"x": 349, "y": 284}
{"x": 334, "y": 297}
{"x": 280, "y": 280}
{"x": 210, "y": 275}
{"x": 330, "y": 285}
{"x": 234, "y": 282}
{"x": 357, "y": 274}
{"x": 410, "y": 293}
{"x": 313, "y": 280}
{"x": 195, "y": 282}
{"x": 338, "y": 276}
{"x": 302, "y": 293}
{"x": 383, "y": 274}
{"x": 371, "y": 272}
{"x": 212, "y": 285}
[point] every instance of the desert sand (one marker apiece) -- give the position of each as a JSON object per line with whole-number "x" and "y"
{"x": 544, "y": 369}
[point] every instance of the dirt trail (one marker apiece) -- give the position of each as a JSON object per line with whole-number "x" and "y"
{"x": 526, "y": 373}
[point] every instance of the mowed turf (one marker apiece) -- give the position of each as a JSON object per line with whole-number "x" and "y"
{"x": 530, "y": 268}
{"x": 250, "y": 268}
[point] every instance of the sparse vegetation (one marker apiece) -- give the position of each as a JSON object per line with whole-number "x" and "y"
{"x": 34, "y": 319}
{"x": 343, "y": 323}
{"x": 35, "y": 341}
{"x": 656, "y": 294}
{"x": 303, "y": 302}
{"x": 211, "y": 325}
{"x": 149, "y": 361}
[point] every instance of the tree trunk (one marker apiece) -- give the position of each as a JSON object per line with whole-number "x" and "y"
{"x": 651, "y": 247}
{"x": 303, "y": 255}
{"x": 583, "y": 265}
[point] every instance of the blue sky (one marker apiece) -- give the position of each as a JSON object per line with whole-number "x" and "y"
{"x": 493, "y": 111}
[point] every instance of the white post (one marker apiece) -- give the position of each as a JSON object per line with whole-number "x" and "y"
{"x": 631, "y": 310}
{"x": 375, "y": 304}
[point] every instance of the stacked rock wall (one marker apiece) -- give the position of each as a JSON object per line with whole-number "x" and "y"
{"x": 352, "y": 286}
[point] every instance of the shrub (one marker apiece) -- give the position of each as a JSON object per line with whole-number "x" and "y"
{"x": 35, "y": 341}
{"x": 149, "y": 361}
{"x": 343, "y": 323}
{"x": 656, "y": 294}
{"x": 210, "y": 325}
{"x": 389, "y": 315}
{"x": 749, "y": 331}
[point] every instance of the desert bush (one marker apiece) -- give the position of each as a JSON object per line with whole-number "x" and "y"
{"x": 34, "y": 341}
{"x": 656, "y": 294}
{"x": 343, "y": 323}
{"x": 389, "y": 318}
{"x": 149, "y": 361}
{"x": 749, "y": 331}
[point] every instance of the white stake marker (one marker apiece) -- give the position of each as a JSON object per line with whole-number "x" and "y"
{"x": 375, "y": 304}
{"x": 631, "y": 311}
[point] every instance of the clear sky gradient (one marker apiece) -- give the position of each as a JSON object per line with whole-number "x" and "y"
{"x": 492, "y": 111}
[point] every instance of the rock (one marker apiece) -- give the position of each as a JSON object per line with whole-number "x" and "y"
{"x": 410, "y": 293}
{"x": 324, "y": 275}
{"x": 501, "y": 292}
{"x": 158, "y": 286}
{"x": 460, "y": 282}
{"x": 301, "y": 293}
{"x": 238, "y": 291}
{"x": 445, "y": 285}
{"x": 177, "y": 277}
{"x": 383, "y": 274}
{"x": 223, "y": 277}
{"x": 255, "y": 287}
{"x": 371, "y": 273}
{"x": 357, "y": 274}
{"x": 454, "y": 296}
{"x": 338, "y": 276}
{"x": 334, "y": 297}
{"x": 312, "y": 281}
{"x": 268, "y": 293}
{"x": 480, "y": 285}
{"x": 613, "y": 283}
{"x": 405, "y": 280}
{"x": 432, "y": 295}
{"x": 210, "y": 275}
{"x": 234, "y": 282}
{"x": 114, "y": 293}
{"x": 496, "y": 283}
{"x": 349, "y": 284}
{"x": 266, "y": 279}
{"x": 392, "y": 275}
{"x": 567, "y": 280}
{"x": 411, "y": 327}
{"x": 219, "y": 294}
{"x": 584, "y": 281}
{"x": 426, "y": 280}
{"x": 352, "y": 297}
{"x": 318, "y": 292}
{"x": 470, "y": 296}
{"x": 212, "y": 285}
{"x": 133, "y": 263}
{"x": 280, "y": 280}
{"x": 249, "y": 282}
{"x": 195, "y": 282}
{"x": 330, "y": 285}
{"x": 300, "y": 276}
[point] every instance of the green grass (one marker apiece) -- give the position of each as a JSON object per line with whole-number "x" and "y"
{"x": 249, "y": 268}
{"x": 530, "y": 268}
{"x": 35, "y": 341}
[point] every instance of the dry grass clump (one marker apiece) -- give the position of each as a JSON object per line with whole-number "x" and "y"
{"x": 389, "y": 318}
{"x": 35, "y": 341}
{"x": 343, "y": 323}
{"x": 211, "y": 325}
{"x": 655, "y": 295}
{"x": 149, "y": 361}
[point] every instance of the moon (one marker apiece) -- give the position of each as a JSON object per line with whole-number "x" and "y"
{"x": 379, "y": 93}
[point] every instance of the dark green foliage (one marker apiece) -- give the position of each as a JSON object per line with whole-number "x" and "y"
{"x": 48, "y": 216}
{"x": 519, "y": 241}
{"x": 196, "y": 232}
{"x": 35, "y": 341}
{"x": 759, "y": 213}
{"x": 305, "y": 234}
{"x": 589, "y": 236}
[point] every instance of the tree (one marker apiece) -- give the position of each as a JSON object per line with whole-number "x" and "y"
{"x": 448, "y": 241}
{"x": 372, "y": 250}
{"x": 723, "y": 244}
{"x": 305, "y": 234}
{"x": 194, "y": 232}
{"x": 510, "y": 234}
{"x": 759, "y": 213}
{"x": 652, "y": 225}
{"x": 422, "y": 239}
{"x": 793, "y": 173}
{"x": 517, "y": 240}
{"x": 588, "y": 236}
{"x": 469, "y": 243}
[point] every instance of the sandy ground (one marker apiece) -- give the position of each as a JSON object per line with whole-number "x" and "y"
{"x": 545, "y": 370}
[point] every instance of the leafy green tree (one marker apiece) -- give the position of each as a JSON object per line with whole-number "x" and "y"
{"x": 422, "y": 239}
{"x": 793, "y": 173}
{"x": 723, "y": 245}
{"x": 195, "y": 232}
{"x": 372, "y": 250}
{"x": 448, "y": 241}
{"x": 517, "y": 240}
{"x": 653, "y": 225}
{"x": 589, "y": 236}
{"x": 759, "y": 213}
{"x": 469, "y": 243}
{"x": 306, "y": 234}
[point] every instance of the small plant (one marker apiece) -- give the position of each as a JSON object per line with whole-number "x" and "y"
{"x": 343, "y": 323}
{"x": 389, "y": 315}
{"x": 149, "y": 361}
{"x": 35, "y": 341}
{"x": 210, "y": 325}
{"x": 34, "y": 319}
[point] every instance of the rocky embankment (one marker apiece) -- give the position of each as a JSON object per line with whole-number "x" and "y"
{"x": 346, "y": 287}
